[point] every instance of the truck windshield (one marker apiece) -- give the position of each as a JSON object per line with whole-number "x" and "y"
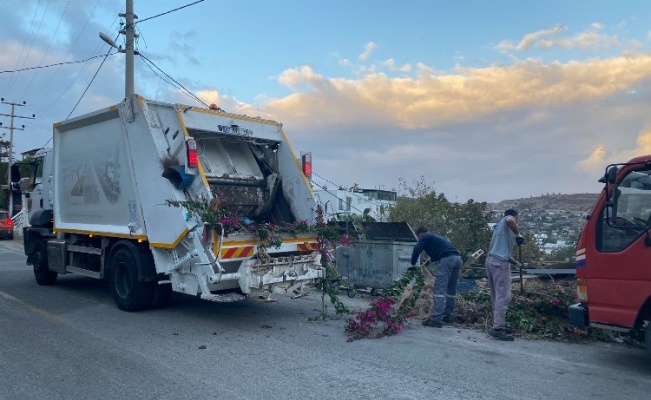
{"x": 38, "y": 171}
{"x": 630, "y": 215}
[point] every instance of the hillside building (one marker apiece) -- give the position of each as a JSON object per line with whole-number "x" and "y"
{"x": 341, "y": 203}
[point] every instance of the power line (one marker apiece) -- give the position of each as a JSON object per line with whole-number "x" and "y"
{"x": 147, "y": 60}
{"x": 48, "y": 45}
{"x": 54, "y": 65}
{"x": 89, "y": 83}
{"x": 167, "y": 12}
{"x": 340, "y": 186}
{"x": 22, "y": 49}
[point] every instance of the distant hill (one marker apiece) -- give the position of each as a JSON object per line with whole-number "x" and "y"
{"x": 559, "y": 216}
{"x": 581, "y": 202}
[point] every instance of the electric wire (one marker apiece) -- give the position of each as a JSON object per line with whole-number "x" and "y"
{"x": 360, "y": 197}
{"x": 73, "y": 46}
{"x": 188, "y": 92}
{"x": 340, "y": 186}
{"x": 22, "y": 49}
{"x": 47, "y": 49}
{"x": 167, "y": 12}
{"x": 89, "y": 83}
{"x": 334, "y": 195}
{"x": 55, "y": 64}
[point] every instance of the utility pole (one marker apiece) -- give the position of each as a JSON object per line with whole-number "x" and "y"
{"x": 128, "y": 32}
{"x": 11, "y": 144}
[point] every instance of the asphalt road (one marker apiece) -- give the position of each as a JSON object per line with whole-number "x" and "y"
{"x": 69, "y": 341}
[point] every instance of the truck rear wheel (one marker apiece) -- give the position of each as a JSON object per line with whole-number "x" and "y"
{"x": 128, "y": 292}
{"x": 42, "y": 273}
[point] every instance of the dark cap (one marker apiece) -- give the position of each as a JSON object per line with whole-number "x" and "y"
{"x": 420, "y": 230}
{"x": 511, "y": 212}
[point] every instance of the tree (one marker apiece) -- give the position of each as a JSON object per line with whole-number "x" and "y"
{"x": 465, "y": 224}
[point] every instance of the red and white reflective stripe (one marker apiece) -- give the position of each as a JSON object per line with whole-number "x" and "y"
{"x": 237, "y": 252}
{"x": 307, "y": 246}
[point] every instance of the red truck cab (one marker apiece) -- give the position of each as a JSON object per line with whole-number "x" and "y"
{"x": 613, "y": 255}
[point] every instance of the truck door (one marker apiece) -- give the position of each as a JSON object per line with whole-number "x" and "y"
{"x": 619, "y": 261}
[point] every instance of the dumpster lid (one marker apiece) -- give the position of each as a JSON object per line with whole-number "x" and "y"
{"x": 398, "y": 231}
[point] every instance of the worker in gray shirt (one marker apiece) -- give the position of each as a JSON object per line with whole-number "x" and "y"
{"x": 441, "y": 250}
{"x": 498, "y": 270}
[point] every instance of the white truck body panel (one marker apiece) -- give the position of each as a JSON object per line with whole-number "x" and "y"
{"x": 107, "y": 182}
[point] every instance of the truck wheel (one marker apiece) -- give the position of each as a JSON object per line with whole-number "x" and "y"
{"x": 129, "y": 293}
{"x": 647, "y": 339}
{"x": 161, "y": 295}
{"x": 42, "y": 273}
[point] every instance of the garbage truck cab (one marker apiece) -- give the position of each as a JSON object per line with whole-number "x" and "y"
{"x": 157, "y": 197}
{"x": 613, "y": 257}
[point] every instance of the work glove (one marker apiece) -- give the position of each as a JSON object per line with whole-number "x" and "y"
{"x": 519, "y": 240}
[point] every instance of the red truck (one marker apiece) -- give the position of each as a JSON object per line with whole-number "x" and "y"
{"x": 613, "y": 255}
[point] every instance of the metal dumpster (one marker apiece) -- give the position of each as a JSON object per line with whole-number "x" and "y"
{"x": 381, "y": 258}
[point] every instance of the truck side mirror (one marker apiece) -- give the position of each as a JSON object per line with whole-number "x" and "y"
{"x": 15, "y": 173}
{"x": 611, "y": 174}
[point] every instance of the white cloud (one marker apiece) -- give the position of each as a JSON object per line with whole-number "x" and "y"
{"x": 546, "y": 39}
{"x": 600, "y": 156}
{"x": 432, "y": 100}
{"x": 370, "y": 47}
{"x": 391, "y": 64}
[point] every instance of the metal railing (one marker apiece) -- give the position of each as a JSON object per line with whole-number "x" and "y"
{"x": 19, "y": 220}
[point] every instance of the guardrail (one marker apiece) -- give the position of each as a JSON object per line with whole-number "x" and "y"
{"x": 19, "y": 221}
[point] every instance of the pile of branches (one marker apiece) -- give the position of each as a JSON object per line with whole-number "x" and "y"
{"x": 540, "y": 312}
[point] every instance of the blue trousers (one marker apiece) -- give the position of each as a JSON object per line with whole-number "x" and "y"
{"x": 445, "y": 287}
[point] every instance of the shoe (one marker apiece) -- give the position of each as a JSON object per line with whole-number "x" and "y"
{"x": 448, "y": 319}
{"x": 433, "y": 324}
{"x": 500, "y": 334}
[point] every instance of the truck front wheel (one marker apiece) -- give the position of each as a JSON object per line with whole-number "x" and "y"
{"x": 42, "y": 273}
{"x": 128, "y": 292}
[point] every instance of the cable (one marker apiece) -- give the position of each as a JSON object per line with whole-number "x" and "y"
{"x": 336, "y": 197}
{"x": 339, "y": 186}
{"x": 48, "y": 46}
{"x": 167, "y": 12}
{"x": 91, "y": 81}
{"x": 22, "y": 50}
{"x": 54, "y": 65}
{"x": 173, "y": 80}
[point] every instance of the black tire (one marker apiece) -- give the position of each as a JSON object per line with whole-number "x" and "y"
{"x": 129, "y": 293}
{"x": 351, "y": 293}
{"x": 161, "y": 295}
{"x": 42, "y": 273}
{"x": 11, "y": 236}
{"x": 374, "y": 292}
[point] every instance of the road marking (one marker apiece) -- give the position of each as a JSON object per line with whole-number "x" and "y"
{"x": 37, "y": 310}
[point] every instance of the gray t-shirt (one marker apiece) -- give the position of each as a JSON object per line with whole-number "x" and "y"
{"x": 502, "y": 242}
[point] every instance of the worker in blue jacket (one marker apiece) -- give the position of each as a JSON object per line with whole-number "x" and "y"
{"x": 441, "y": 250}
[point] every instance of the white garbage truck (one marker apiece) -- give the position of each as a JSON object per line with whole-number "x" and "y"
{"x": 119, "y": 197}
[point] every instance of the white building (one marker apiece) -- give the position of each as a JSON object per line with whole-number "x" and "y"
{"x": 342, "y": 202}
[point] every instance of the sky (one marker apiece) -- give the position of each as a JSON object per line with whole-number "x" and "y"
{"x": 483, "y": 100}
